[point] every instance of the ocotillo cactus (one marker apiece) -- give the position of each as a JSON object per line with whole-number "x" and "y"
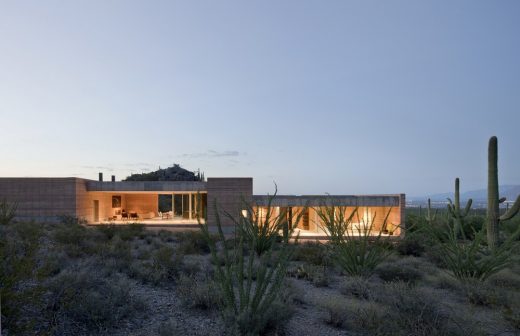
{"x": 456, "y": 213}
{"x": 429, "y": 217}
{"x": 493, "y": 211}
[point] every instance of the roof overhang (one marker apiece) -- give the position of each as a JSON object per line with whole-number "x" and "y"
{"x": 328, "y": 200}
{"x": 158, "y": 187}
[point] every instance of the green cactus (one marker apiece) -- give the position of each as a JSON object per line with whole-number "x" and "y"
{"x": 493, "y": 209}
{"x": 456, "y": 213}
{"x": 430, "y": 218}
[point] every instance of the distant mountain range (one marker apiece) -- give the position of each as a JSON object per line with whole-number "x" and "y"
{"x": 479, "y": 196}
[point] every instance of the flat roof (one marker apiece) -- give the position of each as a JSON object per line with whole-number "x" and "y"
{"x": 335, "y": 200}
{"x": 147, "y": 186}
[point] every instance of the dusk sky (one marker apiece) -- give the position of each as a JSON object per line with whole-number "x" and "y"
{"x": 341, "y": 97}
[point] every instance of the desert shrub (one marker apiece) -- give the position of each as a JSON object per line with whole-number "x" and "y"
{"x": 505, "y": 279}
{"x": 275, "y": 318}
{"x": 413, "y": 311}
{"x": 162, "y": 269}
{"x": 510, "y": 228}
{"x": 317, "y": 275}
{"x": 166, "y": 263}
{"x": 446, "y": 281}
{"x": 398, "y": 272}
{"x": 368, "y": 318}
{"x": 512, "y": 315}
{"x": 75, "y": 239}
{"x": 131, "y": 231}
{"x": 71, "y": 220}
{"x": 166, "y": 236}
{"x": 108, "y": 230}
{"x": 320, "y": 276}
{"x": 411, "y": 244}
{"x": 434, "y": 255}
{"x": 358, "y": 287}
{"x": 201, "y": 293}
{"x": 337, "y": 310}
{"x": 469, "y": 259}
{"x": 413, "y": 222}
{"x": 192, "y": 242}
{"x": 271, "y": 322}
{"x": 86, "y": 301}
{"x": 143, "y": 253}
{"x": 312, "y": 253}
{"x": 220, "y": 259}
{"x": 19, "y": 246}
{"x": 149, "y": 239}
{"x": 125, "y": 232}
{"x": 298, "y": 272}
{"x": 472, "y": 224}
{"x": 29, "y": 232}
{"x": 7, "y": 212}
{"x": 142, "y": 271}
{"x": 479, "y": 294}
{"x": 192, "y": 268}
{"x": 250, "y": 304}
{"x": 52, "y": 264}
{"x": 70, "y": 234}
{"x": 359, "y": 257}
{"x": 292, "y": 294}
{"x": 355, "y": 253}
{"x": 170, "y": 328}
{"x": 116, "y": 254}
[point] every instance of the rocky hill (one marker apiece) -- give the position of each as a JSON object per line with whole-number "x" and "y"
{"x": 174, "y": 173}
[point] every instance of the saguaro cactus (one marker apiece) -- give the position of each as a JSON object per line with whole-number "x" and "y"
{"x": 493, "y": 202}
{"x": 456, "y": 213}
{"x": 430, "y": 218}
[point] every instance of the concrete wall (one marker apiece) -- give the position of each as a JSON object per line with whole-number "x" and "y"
{"x": 142, "y": 203}
{"x": 229, "y": 195}
{"x": 40, "y": 199}
{"x": 84, "y": 202}
{"x": 402, "y": 218}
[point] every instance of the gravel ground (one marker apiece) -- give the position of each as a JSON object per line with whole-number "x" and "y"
{"x": 164, "y": 306}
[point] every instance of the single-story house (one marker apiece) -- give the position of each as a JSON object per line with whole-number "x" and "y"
{"x": 97, "y": 202}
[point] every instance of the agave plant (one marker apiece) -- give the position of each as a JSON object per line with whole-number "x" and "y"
{"x": 469, "y": 259}
{"x": 355, "y": 247}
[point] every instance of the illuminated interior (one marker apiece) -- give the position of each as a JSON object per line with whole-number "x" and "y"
{"x": 367, "y": 219}
{"x": 149, "y": 208}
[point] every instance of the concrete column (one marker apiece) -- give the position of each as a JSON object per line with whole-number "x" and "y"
{"x": 191, "y": 205}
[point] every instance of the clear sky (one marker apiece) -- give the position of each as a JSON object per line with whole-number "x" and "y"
{"x": 344, "y": 97}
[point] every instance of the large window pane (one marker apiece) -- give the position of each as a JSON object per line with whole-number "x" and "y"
{"x": 177, "y": 205}
{"x": 186, "y": 206}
